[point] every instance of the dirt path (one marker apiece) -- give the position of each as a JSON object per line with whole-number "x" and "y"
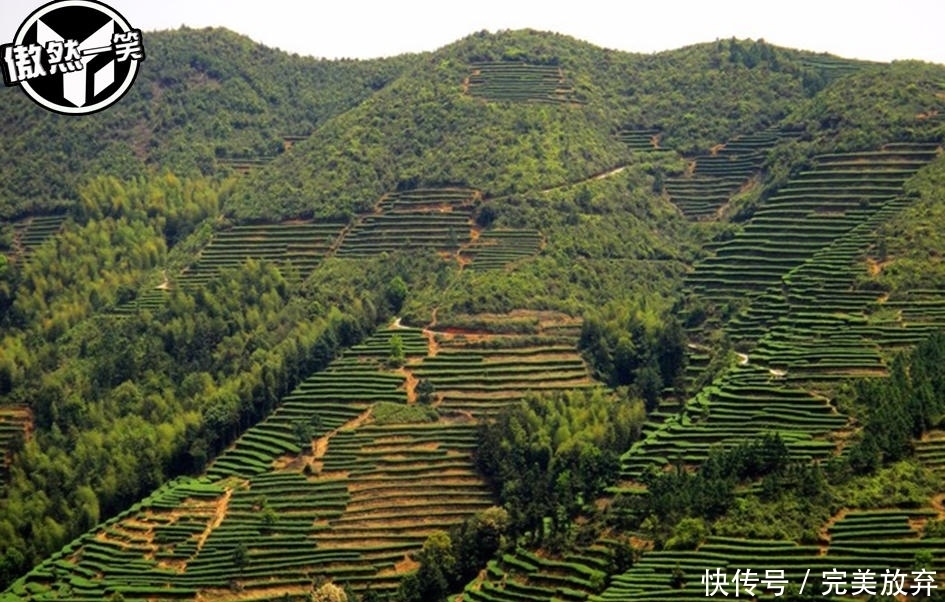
{"x": 320, "y": 445}
{"x": 19, "y": 250}
{"x": 875, "y": 267}
{"x": 165, "y": 283}
{"x": 938, "y": 503}
{"x": 335, "y": 244}
{"x": 410, "y": 385}
{"x": 433, "y": 346}
{"x": 824, "y": 532}
{"x": 219, "y": 514}
{"x": 598, "y": 176}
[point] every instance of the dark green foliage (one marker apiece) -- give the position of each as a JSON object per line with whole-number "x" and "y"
{"x": 635, "y": 346}
{"x": 434, "y": 578}
{"x": 241, "y": 555}
{"x": 201, "y": 95}
{"x": 425, "y": 390}
{"x": 709, "y": 491}
{"x": 397, "y": 357}
{"x": 396, "y": 294}
{"x": 122, "y": 402}
{"x": 899, "y": 409}
{"x": 550, "y": 455}
{"x": 447, "y": 561}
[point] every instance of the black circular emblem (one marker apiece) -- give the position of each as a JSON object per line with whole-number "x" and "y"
{"x": 73, "y": 56}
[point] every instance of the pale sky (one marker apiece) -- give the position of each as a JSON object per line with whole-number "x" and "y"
{"x": 865, "y": 29}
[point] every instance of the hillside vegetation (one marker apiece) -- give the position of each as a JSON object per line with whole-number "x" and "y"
{"x": 519, "y": 319}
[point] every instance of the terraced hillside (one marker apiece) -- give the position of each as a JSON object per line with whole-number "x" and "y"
{"x": 479, "y": 370}
{"x": 809, "y": 327}
{"x": 868, "y": 544}
{"x": 342, "y": 481}
{"x": 305, "y": 243}
{"x": 523, "y": 576}
{"x": 518, "y": 82}
{"x": 715, "y": 177}
{"x": 30, "y": 232}
{"x": 15, "y": 423}
{"x": 496, "y": 249}
{"x": 342, "y": 475}
{"x": 807, "y": 214}
{"x": 375, "y": 234}
{"x": 429, "y": 199}
{"x": 244, "y": 165}
{"x": 642, "y": 140}
{"x": 833, "y": 67}
{"x": 432, "y": 218}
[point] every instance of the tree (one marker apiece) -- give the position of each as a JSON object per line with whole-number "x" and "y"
{"x": 240, "y": 556}
{"x": 678, "y": 578}
{"x": 269, "y": 518}
{"x": 397, "y": 356}
{"x": 478, "y": 539}
{"x": 303, "y": 434}
{"x": 649, "y": 385}
{"x": 688, "y": 534}
{"x": 433, "y": 580}
{"x": 396, "y": 294}
{"x": 486, "y": 215}
{"x": 425, "y": 390}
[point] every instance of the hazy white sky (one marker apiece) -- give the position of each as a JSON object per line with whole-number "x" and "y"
{"x": 866, "y": 29}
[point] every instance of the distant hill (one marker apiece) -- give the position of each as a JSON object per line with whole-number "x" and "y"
{"x": 202, "y": 98}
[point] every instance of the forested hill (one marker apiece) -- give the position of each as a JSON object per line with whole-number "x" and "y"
{"x": 210, "y": 101}
{"x": 431, "y": 128}
{"x": 202, "y": 97}
{"x": 521, "y": 318}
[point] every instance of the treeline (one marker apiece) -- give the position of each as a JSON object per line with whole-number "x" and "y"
{"x": 550, "y": 455}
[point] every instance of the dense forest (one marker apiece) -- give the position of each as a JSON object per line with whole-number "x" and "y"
{"x": 518, "y": 319}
